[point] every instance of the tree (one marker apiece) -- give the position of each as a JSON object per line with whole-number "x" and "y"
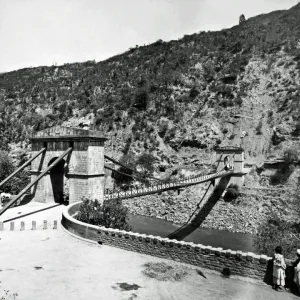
{"x": 242, "y": 19}
{"x": 123, "y": 180}
{"x": 6, "y": 165}
{"x": 141, "y": 99}
{"x": 18, "y": 182}
{"x": 232, "y": 192}
{"x": 146, "y": 162}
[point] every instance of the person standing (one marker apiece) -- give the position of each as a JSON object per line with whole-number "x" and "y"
{"x": 279, "y": 267}
{"x": 296, "y": 266}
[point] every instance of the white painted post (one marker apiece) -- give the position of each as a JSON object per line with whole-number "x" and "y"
{"x": 33, "y": 225}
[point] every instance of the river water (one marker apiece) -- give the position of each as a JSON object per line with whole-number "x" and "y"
{"x": 204, "y": 236}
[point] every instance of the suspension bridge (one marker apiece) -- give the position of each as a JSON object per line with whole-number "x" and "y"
{"x": 77, "y": 156}
{"x": 158, "y": 188}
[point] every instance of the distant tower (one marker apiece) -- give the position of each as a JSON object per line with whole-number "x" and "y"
{"x": 242, "y": 19}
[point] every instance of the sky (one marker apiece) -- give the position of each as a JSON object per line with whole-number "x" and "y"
{"x": 47, "y": 32}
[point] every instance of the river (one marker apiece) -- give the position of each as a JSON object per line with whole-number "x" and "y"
{"x": 204, "y": 236}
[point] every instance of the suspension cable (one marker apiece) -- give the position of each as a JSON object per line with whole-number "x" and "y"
{"x": 148, "y": 176}
{"x": 126, "y": 167}
{"x": 133, "y": 176}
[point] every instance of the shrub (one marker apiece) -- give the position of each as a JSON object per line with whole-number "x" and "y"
{"x": 18, "y": 182}
{"x": 296, "y": 132}
{"x": 274, "y": 232}
{"x": 194, "y": 92}
{"x": 170, "y": 134}
{"x": 141, "y": 99}
{"x": 259, "y": 128}
{"x": 238, "y": 101}
{"x": 242, "y": 19}
{"x": 270, "y": 113}
{"x": 98, "y": 120}
{"x": 9, "y": 296}
{"x": 232, "y": 192}
{"x": 110, "y": 214}
{"x": 162, "y": 129}
{"x": 225, "y": 130}
{"x": 232, "y": 136}
{"x": 226, "y": 102}
{"x": 290, "y": 156}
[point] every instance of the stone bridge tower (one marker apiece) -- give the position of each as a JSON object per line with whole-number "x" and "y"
{"x": 81, "y": 172}
{"x": 235, "y": 157}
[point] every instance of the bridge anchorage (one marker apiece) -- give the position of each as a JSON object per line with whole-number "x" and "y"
{"x": 70, "y": 159}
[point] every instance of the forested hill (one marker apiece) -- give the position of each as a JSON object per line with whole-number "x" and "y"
{"x": 176, "y": 99}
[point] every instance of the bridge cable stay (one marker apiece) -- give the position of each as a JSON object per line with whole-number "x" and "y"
{"x": 198, "y": 205}
{"x": 22, "y": 167}
{"x": 13, "y": 201}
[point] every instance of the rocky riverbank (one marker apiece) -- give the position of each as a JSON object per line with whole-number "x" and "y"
{"x": 244, "y": 214}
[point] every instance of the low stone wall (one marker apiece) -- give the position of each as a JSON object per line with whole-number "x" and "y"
{"x": 227, "y": 262}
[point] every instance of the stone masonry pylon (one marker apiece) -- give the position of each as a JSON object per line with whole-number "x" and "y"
{"x": 82, "y": 171}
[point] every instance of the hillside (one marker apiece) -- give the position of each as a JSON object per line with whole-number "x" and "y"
{"x": 176, "y": 100}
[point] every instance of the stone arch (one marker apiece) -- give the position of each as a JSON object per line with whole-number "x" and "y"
{"x": 56, "y": 182}
{"x": 228, "y": 162}
{"x": 235, "y": 158}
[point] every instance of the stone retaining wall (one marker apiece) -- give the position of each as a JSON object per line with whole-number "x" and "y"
{"x": 224, "y": 261}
